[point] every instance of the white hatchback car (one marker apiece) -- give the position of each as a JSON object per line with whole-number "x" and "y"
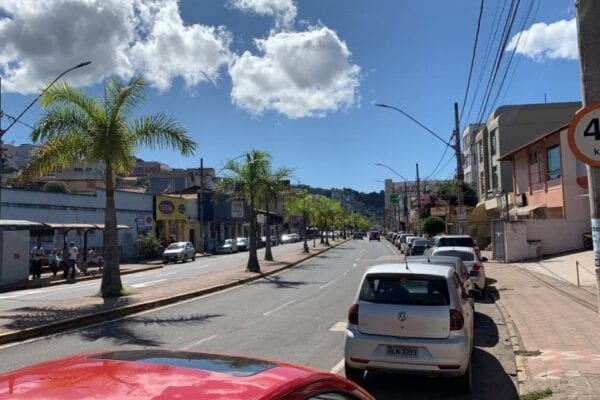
{"x": 411, "y": 318}
{"x": 470, "y": 259}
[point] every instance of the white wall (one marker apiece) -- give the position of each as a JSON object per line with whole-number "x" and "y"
{"x": 44, "y": 207}
{"x": 524, "y": 238}
{"x": 14, "y": 256}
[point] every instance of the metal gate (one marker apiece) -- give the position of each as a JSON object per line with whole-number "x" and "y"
{"x": 498, "y": 240}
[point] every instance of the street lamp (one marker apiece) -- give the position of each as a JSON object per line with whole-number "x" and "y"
{"x": 405, "y": 190}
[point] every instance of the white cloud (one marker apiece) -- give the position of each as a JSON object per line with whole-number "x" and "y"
{"x": 284, "y": 11}
{"x": 124, "y": 37}
{"x": 300, "y": 74}
{"x": 547, "y": 41}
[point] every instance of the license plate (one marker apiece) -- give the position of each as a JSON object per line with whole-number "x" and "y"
{"x": 403, "y": 351}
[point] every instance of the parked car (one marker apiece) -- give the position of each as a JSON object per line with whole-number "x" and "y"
{"x": 357, "y": 235}
{"x": 289, "y": 238}
{"x": 404, "y": 246}
{"x": 414, "y": 318}
{"x": 227, "y": 246}
{"x": 471, "y": 260}
{"x": 242, "y": 243}
{"x": 274, "y": 241}
{"x": 179, "y": 251}
{"x": 374, "y": 235}
{"x": 418, "y": 246}
{"x": 455, "y": 241}
{"x": 401, "y": 240}
{"x": 153, "y": 374}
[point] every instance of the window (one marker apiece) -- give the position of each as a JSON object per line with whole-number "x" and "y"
{"x": 480, "y": 150}
{"x": 493, "y": 142}
{"x": 78, "y": 169}
{"x": 88, "y": 169}
{"x": 412, "y": 290}
{"x": 535, "y": 170}
{"x": 495, "y": 177}
{"x": 553, "y": 162}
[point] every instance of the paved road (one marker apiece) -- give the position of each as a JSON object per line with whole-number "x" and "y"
{"x": 297, "y": 316}
{"x": 170, "y": 272}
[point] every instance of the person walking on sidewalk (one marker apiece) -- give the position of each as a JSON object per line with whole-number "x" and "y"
{"x": 72, "y": 263}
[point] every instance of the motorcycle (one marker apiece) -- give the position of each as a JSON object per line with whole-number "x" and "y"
{"x": 588, "y": 244}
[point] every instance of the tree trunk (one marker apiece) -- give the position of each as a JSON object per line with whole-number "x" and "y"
{"x": 268, "y": 253}
{"x": 111, "y": 275}
{"x": 253, "y": 264}
{"x": 306, "y": 250}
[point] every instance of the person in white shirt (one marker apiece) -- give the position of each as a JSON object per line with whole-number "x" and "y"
{"x": 72, "y": 262}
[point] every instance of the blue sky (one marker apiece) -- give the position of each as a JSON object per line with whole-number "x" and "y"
{"x": 296, "y": 78}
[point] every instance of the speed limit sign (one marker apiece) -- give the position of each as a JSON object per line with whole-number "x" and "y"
{"x": 584, "y": 135}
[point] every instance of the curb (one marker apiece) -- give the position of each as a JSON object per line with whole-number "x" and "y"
{"x": 30, "y": 285}
{"x": 515, "y": 342}
{"x": 102, "y": 316}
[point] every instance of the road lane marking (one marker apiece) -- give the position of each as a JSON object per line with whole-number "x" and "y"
{"x": 354, "y": 265}
{"x": 346, "y": 273}
{"x": 149, "y": 283}
{"x": 196, "y": 343}
{"x": 279, "y": 308}
{"x": 338, "y": 327}
{"x": 327, "y": 284}
{"x": 338, "y": 367}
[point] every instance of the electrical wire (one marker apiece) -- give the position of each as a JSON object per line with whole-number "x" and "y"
{"x": 472, "y": 59}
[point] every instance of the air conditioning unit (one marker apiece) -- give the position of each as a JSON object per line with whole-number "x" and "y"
{"x": 521, "y": 200}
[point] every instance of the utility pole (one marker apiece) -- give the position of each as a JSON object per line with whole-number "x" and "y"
{"x": 459, "y": 172}
{"x": 201, "y": 205}
{"x": 406, "y": 217}
{"x": 588, "y": 31}
{"x": 418, "y": 201}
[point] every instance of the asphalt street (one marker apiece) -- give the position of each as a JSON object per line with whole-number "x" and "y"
{"x": 297, "y": 316}
{"x": 169, "y": 273}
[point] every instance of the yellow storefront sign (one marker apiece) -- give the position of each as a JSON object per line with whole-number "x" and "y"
{"x": 170, "y": 208}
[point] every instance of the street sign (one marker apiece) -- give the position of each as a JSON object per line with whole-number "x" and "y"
{"x": 461, "y": 213}
{"x": 394, "y": 198}
{"x": 584, "y": 135}
{"x": 438, "y": 211}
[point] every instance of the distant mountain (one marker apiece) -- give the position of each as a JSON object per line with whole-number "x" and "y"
{"x": 369, "y": 204}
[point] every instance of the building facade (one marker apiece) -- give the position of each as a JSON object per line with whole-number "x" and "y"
{"x": 470, "y": 154}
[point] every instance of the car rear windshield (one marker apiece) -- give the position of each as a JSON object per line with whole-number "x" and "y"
{"x": 234, "y": 366}
{"x": 456, "y": 242}
{"x": 414, "y": 290}
{"x": 420, "y": 243}
{"x": 464, "y": 255}
{"x": 174, "y": 246}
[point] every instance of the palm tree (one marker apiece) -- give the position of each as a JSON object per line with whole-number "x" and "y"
{"x": 245, "y": 180}
{"x": 301, "y": 204}
{"x": 272, "y": 186}
{"x": 77, "y": 128}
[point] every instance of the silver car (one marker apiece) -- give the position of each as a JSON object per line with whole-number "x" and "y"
{"x": 227, "y": 246}
{"x": 471, "y": 260}
{"x": 179, "y": 251}
{"x": 411, "y": 318}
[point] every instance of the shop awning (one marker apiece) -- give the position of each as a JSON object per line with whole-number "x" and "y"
{"x": 81, "y": 226}
{"x": 523, "y": 211}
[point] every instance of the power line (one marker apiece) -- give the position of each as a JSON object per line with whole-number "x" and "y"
{"x": 472, "y": 58}
{"x": 438, "y": 163}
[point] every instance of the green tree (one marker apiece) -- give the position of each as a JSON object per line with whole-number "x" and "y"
{"x": 326, "y": 210}
{"x": 148, "y": 246}
{"x": 78, "y": 128}
{"x": 272, "y": 186}
{"x": 56, "y": 187}
{"x": 244, "y": 179}
{"x": 448, "y": 190}
{"x": 301, "y": 204}
{"x": 433, "y": 225}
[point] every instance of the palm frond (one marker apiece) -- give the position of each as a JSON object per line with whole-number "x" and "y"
{"x": 161, "y": 131}
{"x": 123, "y": 99}
{"x": 59, "y": 120}
{"x": 56, "y": 153}
{"x": 61, "y": 93}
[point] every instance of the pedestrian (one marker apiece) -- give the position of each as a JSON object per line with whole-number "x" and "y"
{"x": 53, "y": 261}
{"x": 41, "y": 254}
{"x": 33, "y": 255}
{"x": 72, "y": 263}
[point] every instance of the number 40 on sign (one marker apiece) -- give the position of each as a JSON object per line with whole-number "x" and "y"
{"x": 584, "y": 135}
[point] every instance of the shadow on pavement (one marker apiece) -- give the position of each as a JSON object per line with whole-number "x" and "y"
{"x": 279, "y": 283}
{"x": 27, "y": 317}
{"x": 486, "y": 331}
{"x": 127, "y": 331}
{"x": 490, "y": 382}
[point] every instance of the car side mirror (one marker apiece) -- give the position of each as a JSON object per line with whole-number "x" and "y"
{"x": 484, "y": 259}
{"x": 473, "y": 293}
{"x": 428, "y": 247}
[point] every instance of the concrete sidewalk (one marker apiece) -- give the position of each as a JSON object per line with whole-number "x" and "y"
{"x": 27, "y": 322}
{"x": 555, "y": 326}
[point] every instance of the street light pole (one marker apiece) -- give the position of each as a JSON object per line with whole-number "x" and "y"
{"x": 15, "y": 120}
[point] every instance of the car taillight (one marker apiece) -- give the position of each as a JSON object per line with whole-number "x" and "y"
{"x": 476, "y": 267}
{"x": 456, "y": 320}
{"x": 353, "y": 314}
